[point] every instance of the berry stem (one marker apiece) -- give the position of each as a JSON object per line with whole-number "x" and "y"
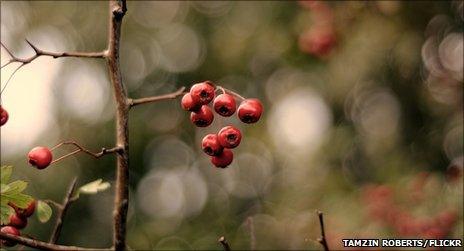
{"x": 225, "y": 90}
{"x": 65, "y": 156}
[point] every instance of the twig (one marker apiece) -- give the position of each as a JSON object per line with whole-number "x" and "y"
{"x": 173, "y": 95}
{"x": 43, "y": 245}
{"x": 322, "y": 240}
{"x": 225, "y": 90}
{"x": 97, "y": 155}
{"x": 62, "y": 212}
{"x": 224, "y": 243}
{"x": 38, "y": 53}
{"x": 251, "y": 228}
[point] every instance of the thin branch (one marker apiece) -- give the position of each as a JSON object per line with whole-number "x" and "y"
{"x": 97, "y": 155}
{"x": 39, "y": 52}
{"x": 251, "y": 228}
{"x": 173, "y": 95}
{"x": 62, "y": 212}
{"x": 322, "y": 240}
{"x": 43, "y": 245}
{"x": 224, "y": 243}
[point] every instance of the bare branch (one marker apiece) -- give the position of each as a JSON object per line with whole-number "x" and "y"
{"x": 251, "y": 228}
{"x": 224, "y": 243}
{"x": 173, "y": 95}
{"x": 322, "y": 240}
{"x": 97, "y": 155}
{"x": 42, "y": 245}
{"x": 39, "y": 52}
{"x": 62, "y": 212}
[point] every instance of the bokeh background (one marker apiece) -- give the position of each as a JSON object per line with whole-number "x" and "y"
{"x": 363, "y": 119}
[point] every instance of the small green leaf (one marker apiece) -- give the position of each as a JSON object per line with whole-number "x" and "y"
{"x": 5, "y": 212}
{"x": 94, "y": 187}
{"x": 20, "y": 200}
{"x": 5, "y": 174}
{"x": 15, "y": 187}
{"x": 44, "y": 211}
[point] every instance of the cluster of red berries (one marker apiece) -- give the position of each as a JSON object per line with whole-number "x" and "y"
{"x": 18, "y": 220}
{"x": 320, "y": 38}
{"x": 3, "y": 116}
{"x": 382, "y": 208}
{"x": 218, "y": 145}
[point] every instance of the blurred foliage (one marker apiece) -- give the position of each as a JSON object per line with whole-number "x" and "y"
{"x": 347, "y": 130}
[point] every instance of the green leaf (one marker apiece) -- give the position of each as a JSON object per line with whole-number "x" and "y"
{"x": 15, "y": 187}
{"x": 5, "y": 174}
{"x": 93, "y": 187}
{"x": 5, "y": 212}
{"x": 20, "y": 200}
{"x": 44, "y": 211}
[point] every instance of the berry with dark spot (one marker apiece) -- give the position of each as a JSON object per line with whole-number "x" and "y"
{"x": 203, "y": 117}
{"x": 211, "y": 146}
{"x": 3, "y": 116}
{"x": 250, "y": 110}
{"x": 203, "y": 92}
{"x": 225, "y": 105}
{"x": 9, "y": 230}
{"x": 189, "y": 104}
{"x": 229, "y": 137}
{"x": 17, "y": 221}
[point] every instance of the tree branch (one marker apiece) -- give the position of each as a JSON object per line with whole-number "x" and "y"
{"x": 39, "y": 52}
{"x": 224, "y": 243}
{"x": 97, "y": 155}
{"x": 117, "y": 9}
{"x": 62, "y": 212}
{"x": 173, "y": 95}
{"x": 42, "y": 245}
{"x": 322, "y": 240}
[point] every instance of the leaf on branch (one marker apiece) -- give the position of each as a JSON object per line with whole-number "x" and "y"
{"x": 92, "y": 188}
{"x": 14, "y": 187}
{"x": 5, "y": 212}
{"x": 44, "y": 211}
{"x": 5, "y": 174}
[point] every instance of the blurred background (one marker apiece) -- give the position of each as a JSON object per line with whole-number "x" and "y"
{"x": 363, "y": 119}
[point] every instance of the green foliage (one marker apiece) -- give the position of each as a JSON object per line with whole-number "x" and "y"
{"x": 92, "y": 188}
{"x": 11, "y": 193}
{"x": 44, "y": 211}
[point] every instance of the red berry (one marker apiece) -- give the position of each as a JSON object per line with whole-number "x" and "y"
{"x": 203, "y": 92}
{"x": 40, "y": 157}
{"x": 225, "y": 105}
{"x": 229, "y": 137}
{"x": 250, "y": 110}
{"x": 9, "y": 230}
{"x": 189, "y": 104}
{"x": 210, "y": 145}
{"x": 3, "y": 116}
{"x": 224, "y": 159}
{"x": 318, "y": 41}
{"x": 202, "y": 118}
{"x": 24, "y": 212}
{"x": 17, "y": 221}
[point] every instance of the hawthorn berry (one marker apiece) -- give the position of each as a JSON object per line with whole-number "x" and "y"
{"x": 3, "y": 116}
{"x": 229, "y": 137}
{"x": 203, "y": 117}
{"x": 189, "y": 104}
{"x": 210, "y": 145}
{"x": 318, "y": 41}
{"x": 40, "y": 157}
{"x": 224, "y": 105}
{"x": 17, "y": 221}
{"x": 9, "y": 230}
{"x": 224, "y": 159}
{"x": 203, "y": 92}
{"x": 24, "y": 212}
{"x": 250, "y": 110}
